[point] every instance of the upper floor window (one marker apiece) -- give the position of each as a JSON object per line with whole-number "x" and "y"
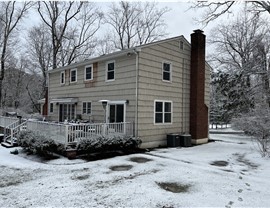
{"x": 86, "y": 109}
{"x": 166, "y": 71}
{"x": 73, "y": 75}
{"x": 110, "y": 68}
{"x": 88, "y": 73}
{"x": 62, "y": 77}
{"x": 163, "y": 112}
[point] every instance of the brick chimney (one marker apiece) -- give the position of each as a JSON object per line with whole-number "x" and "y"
{"x": 198, "y": 109}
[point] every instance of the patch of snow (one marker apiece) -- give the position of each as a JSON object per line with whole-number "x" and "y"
{"x": 76, "y": 183}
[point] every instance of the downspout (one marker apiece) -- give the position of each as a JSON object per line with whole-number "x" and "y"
{"x": 136, "y": 50}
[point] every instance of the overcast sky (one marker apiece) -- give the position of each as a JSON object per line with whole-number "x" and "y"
{"x": 180, "y": 19}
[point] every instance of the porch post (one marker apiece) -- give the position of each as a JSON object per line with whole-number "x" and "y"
{"x": 11, "y": 134}
{"x": 66, "y": 135}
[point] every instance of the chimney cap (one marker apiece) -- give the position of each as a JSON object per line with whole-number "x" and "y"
{"x": 198, "y": 31}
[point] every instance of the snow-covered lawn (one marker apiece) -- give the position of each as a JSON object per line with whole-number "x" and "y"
{"x": 226, "y": 173}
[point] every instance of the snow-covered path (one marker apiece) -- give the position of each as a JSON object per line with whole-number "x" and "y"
{"x": 226, "y": 173}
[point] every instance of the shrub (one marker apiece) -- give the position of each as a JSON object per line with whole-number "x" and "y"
{"x": 256, "y": 124}
{"x": 108, "y": 143}
{"x": 38, "y": 143}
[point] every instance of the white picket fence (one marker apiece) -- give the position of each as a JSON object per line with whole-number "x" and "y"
{"x": 70, "y": 133}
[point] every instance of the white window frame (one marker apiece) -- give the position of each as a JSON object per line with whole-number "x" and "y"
{"x": 85, "y": 79}
{"x": 107, "y": 63}
{"x": 71, "y": 77}
{"x": 64, "y": 78}
{"x": 163, "y": 112}
{"x": 167, "y": 62}
{"x": 87, "y": 108}
{"x": 51, "y": 108}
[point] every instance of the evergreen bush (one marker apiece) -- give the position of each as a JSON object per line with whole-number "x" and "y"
{"x": 38, "y": 143}
{"x": 108, "y": 143}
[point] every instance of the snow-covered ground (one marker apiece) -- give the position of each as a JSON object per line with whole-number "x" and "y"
{"x": 226, "y": 173}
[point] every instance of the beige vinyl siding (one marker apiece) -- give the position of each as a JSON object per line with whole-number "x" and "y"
{"x": 152, "y": 87}
{"x": 122, "y": 88}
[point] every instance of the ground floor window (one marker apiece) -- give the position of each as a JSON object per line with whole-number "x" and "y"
{"x": 163, "y": 112}
{"x": 66, "y": 112}
{"x": 86, "y": 109}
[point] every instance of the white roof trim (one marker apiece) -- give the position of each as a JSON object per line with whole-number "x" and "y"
{"x": 64, "y": 100}
{"x": 117, "y": 102}
{"x": 41, "y": 101}
{"x": 113, "y": 55}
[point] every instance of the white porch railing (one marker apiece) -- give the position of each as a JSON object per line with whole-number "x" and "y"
{"x": 55, "y": 131}
{"x": 70, "y": 133}
{"x": 86, "y": 131}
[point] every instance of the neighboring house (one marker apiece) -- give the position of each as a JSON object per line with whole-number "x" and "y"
{"x": 162, "y": 87}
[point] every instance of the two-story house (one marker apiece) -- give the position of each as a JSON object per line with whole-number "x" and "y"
{"x": 161, "y": 87}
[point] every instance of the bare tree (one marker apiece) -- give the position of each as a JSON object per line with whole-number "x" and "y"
{"x": 39, "y": 51}
{"x": 136, "y": 23}
{"x": 71, "y": 26}
{"x": 10, "y": 16}
{"x": 240, "y": 56}
{"x": 213, "y": 10}
{"x": 256, "y": 123}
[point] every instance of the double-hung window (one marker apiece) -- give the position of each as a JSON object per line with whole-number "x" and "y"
{"x": 110, "y": 69}
{"x": 88, "y": 73}
{"x": 73, "y": 75}
{"x": 166, "y": 71}
{"x": 163, "y": 112}
{"x": 86, "y": 108}
{"x": 62, "y": 77}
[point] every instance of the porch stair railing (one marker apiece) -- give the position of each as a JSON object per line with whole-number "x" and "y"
{"x": 11, "y": 133}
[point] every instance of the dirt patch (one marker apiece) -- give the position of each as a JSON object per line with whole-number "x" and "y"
{"x": 80, "y": 170}
{"x": 13, "y": 176}
{"x": 220, "y": 163}
{"x": 229, "y": 171}
{"x": 80, "y": 177}
{"x": 121, "y": 167}
{"x": 140, "y": 159}
{"x": 241, "y": 159}
{"x": 174, "y": 187}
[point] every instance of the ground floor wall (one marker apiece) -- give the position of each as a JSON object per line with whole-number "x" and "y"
{"x": 97, "y": 112}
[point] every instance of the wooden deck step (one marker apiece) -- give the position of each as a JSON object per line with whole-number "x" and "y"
{"x": 8, "y": 144}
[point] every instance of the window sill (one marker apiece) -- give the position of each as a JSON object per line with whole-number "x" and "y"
{"x": 162, "y": 124}
{"x": 110, "y": 80}
{"x": 88, "y": 81}
{"x": 167, "y": 81}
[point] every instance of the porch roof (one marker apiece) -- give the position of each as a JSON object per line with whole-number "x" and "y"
{"x": 64, "y": 100}
{"x": 41, "y": 101}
